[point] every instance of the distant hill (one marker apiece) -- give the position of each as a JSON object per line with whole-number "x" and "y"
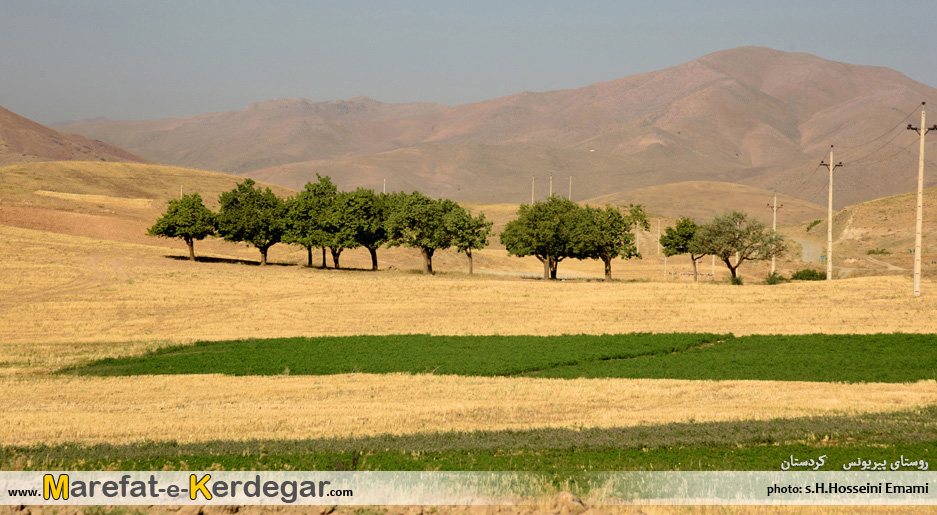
{"x": 751, "y": 116}
{"x": 23, "y": 141}
{"x": 702, "y": 200}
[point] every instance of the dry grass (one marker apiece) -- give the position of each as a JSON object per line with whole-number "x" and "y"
{"x": 209, "y": 407}
{"x": 68, "y": 299}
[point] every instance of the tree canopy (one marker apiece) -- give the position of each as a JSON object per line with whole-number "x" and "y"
{"x": 605, "y": 234}
{"x": 307, "y": 216}
{"x": 468, "y": 232}
{"x": 253, "y": 216}
{"x": 680, "y": 240}
{"x": 417, "y": 221}
{"x": 544, "y": 230}
{"x": 735, "y": 233}
{"x": 186, "y": 218}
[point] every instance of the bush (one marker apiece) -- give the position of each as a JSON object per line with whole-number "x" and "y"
{"x": 813, "y": 224}
{"x": 873, "y": 252}
{"x": 775, "y": 278}
{"x": 737, "y": 281}
{"x": 808, "y": 274}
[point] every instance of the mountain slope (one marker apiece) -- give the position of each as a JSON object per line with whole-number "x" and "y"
{"x": 23, "y": 140}
{"x": 752, "y": 116}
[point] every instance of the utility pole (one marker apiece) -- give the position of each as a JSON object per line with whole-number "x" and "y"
{"x": 829, "y": 218}
{"x": 774, "y": 221}
{"x": 658, "y": 235}
{"x": 385, "y": 186}
{"x": 919, "y": 223}
{"x": 570, "y": 197}
{"x": 533, "y": 179}
{"x": 551, "y": 184}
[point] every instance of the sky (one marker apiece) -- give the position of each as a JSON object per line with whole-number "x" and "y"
{"x": 135, "y": 59}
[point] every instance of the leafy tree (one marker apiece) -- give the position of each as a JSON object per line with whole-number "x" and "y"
{"x": 253, "y": 216}
{"x": 358, "y": 219}
{"x": 679, "y": 240}
{"x": 606, "y": 234}
{"x": 417, "y": 221}
{"x": 735, "y": 233}
{"x": 468, "y": 232}
{"x": 307, "y": 213}
{"x": 185, "y": 218}
{"x": 543, "y": 229}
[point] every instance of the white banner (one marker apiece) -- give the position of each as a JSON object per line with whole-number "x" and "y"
{"x": 463, "y": 488}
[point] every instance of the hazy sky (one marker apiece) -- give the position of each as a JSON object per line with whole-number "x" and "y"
{"x": 133, "y": 59}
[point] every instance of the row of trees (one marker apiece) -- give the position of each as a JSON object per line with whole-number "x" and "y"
{"x": 320, "y": 216}
{"x": 558, "y": 228}
{"x": 733, "y": 237}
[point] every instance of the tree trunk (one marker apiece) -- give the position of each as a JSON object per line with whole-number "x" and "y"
{"x": 309, "y": 257}
{"x": 335, "y": 254}
{"x": 546, "y": 266}
{"x": 468, "y": 252}
{"x": 608, "y": 268}
{"x": 373, "y": 258}
{"x": 263, "y": 256}
{"x": 191, "y": 243}
{"x": 695, "y": 268}
{"x": 324, "y": 266}
{"x": 427, "y": 260}
{"x": 553, "y": 263}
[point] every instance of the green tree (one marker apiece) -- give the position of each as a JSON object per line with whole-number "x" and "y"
{"x": 543, "y": 229}
{"x": 185, "y": 218}
{"x": 606, "y": 234}
{"x": 417, "y": 221}
{"x": 253, "y": 216}
{"x": 735, "y": 233}
{"x": 364, "y": 220}
{"x": 306, "y": 218}
{"x": 680, "y": 240}
{"x": 468, "y": 232}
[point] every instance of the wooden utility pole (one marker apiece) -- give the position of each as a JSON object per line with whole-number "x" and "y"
{"x": 385, "y": 186}
{"x": 829, "y": 218}
{"x": 570, "y": 197}
{"x": 774, "y": 221}
{"x": 551, "y": 184}
{"x": 919, "y": 222}
{"x": 533, "y": 179}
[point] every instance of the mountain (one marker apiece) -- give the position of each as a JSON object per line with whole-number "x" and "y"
{"x": 751, "y": 116}
{"x": 23, "y": 140}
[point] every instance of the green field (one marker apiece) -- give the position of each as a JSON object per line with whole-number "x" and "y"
{"x": 745, "y": 445}
{"x": 815, "y": 357}
{"x": 417, "y": 354}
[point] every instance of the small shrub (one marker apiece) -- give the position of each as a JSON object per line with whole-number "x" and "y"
{"x": 808, "y": 274}
{"x": 737, "y": 281}
{"x": 879, "y": 252}
{"x": 813, "y": 224}
{"x": 775, "y": 278}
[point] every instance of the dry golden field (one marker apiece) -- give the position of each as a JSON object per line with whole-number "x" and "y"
{"x": 214, "y": 407}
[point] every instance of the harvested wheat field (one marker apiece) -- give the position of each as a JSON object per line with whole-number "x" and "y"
{"x": 210, "y": 407}
{"x": 69, "y": 299}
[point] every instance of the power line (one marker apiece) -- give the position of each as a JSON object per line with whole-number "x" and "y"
{"x": 913, "y": 111}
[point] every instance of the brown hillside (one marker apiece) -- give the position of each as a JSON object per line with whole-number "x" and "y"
{"x": 23, "y": 141}
{"x": 702, "y": 200}
{"x": 752, "y": 116}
